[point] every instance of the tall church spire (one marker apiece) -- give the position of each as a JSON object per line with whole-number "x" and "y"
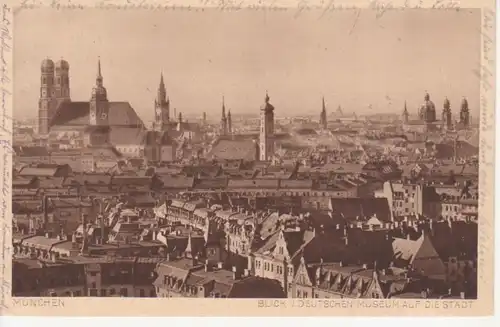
{"x": 99, "y": 107}
{"x": 405, "y": 114}
{"x": 162, "y": 107}
{"x": 322, "y": 117}
{"x": 223, "y": 120}
{"x": 162, "y": 84}
{"x": 229, "y": 122}
{"x": 99, "y": 91}
{"x": 99, "y": 74}
{"x": 223, "y": 108}
{"x": 162, "y": 92}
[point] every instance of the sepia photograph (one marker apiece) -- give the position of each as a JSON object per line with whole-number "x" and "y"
{"x": 249, "y": 154}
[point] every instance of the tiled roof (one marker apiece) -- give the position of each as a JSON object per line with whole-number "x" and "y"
{"x": 126, "y": 136}
{"x": 257, "y": 287}
{"x": 23, "y": 181}
{"x": 463, "y": 150}
{"x": 103, "y": 152}
{"x": 205, "y": 170}
{"x": 177, "y": 182}
{"x": 131, "y": 180}
{"x": 254, "y": 183}
{"x": 157, "y": 138}
{"x": 88, "y": 179}
{"x": 33, "y": 171}
{"x": 233, "y": 149}
{"x": 421, "y": 254}
{"x": 31, "y": 151}
{"x": 296, "y": 184}
{"x": 77, "y": 113}
{"x": 361, "y": 207}
{"x": 68, "y": 202}
{"x": 210, "y": 183}
{"x": 54, "y": 182}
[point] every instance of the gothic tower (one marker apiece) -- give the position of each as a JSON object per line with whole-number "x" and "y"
{"x": 46, "y": 104}
{"x": 223, "y": 120}
{"x": 229, "y": 123}
{"x": 446, "y": 115}
{"x": 99, "y": 105}
{"x": 62, "y": 89}
{"x": 322, "y": 117}
{"x": 405, "y": 115}
{"x": 162, "y": 108}
{"x": 465, "y": 114}
{"x": 266, "y": 139}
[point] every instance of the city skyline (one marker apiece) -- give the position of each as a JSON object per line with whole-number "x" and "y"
{"x": 245, "y": 60}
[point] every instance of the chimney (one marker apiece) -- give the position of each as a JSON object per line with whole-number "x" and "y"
{"x": 246, "y": 272}
{"x": 408, "y": 236}
{"x": 48, "y": 234}
{"x": 462, "y": 295}
{"x": 383, "y": 271}
{"x": 341, "y": 264}
{"x": 207, "y": 266}
{"x": 103, "y": 231}
{"x": 74, "y": 245}
{"x": 365, "y": 266}
{"x": 219, "y": 265}
{"x": 45, "y": 211}
{"x": 235, "y": 274}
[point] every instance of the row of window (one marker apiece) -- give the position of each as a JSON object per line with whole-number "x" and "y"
{"x": 450, "y": 208}
{"x": 305, "y": 294}
{"x": 270, "y": 267}
{"x": 103, "y": 292}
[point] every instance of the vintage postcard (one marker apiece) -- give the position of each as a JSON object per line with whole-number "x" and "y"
{"x": 257, "y": 158}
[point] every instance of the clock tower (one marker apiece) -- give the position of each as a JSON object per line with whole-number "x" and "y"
{"x": 162, "y": 108}
{"x": 99, "y": 105}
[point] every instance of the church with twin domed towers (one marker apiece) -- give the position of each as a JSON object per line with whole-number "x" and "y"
{"x": 427, "y": 117}
{"x": 100, "y": 122}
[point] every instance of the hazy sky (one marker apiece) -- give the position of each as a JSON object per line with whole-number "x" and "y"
{"x": 204, "y": 55}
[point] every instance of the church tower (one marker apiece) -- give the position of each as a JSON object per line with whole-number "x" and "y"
{"x": 266, "y": 139}
{"x": 46, "y": 104}
{"x": 99, "y": 105}
{"x": 322, "y": 117}
{"x": 446, "y": 115}
{"x": 405, "y": 115}
{"x": 465, "y": 114}
{"x": 223, "y": 120}
{"x": 162, "y": 108}
{"x": 62, "y": 89}
{"x": 229, "y": 123}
